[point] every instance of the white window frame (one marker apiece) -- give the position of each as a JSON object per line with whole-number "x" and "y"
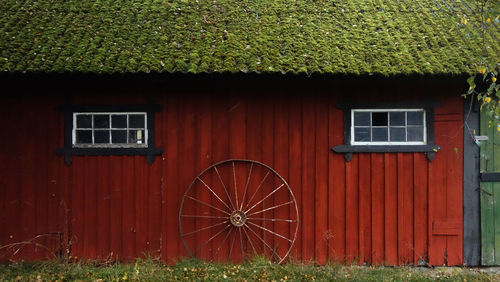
{"x": 144, "y": 144}
{"x": 355, "y": 143}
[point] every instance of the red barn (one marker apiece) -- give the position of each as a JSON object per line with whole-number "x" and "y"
{"x": 308, "y": 131}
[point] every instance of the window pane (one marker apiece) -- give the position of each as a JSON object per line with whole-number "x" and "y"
{"x": 416, "y": 133}
{"x": 379, "y": 134}
{"x": 379, "y": 119}
{"x": 101, "y": 136}
{"x": 415, "y": 118}
{"x": 101, "y": 121}
{"x": 119, "y": 121}
{"x": 397, "y": 118}
{"x": 83, "y": 121}
{"x": 362, "y": 118}
{"x": 398, "y": 134}
{"x": 136, "y": 136}
{"x": 361, "y": 134}
{"x": 136, "y": 121}
{"x": 84, "y": 136}
{"x": 119, "y": 136}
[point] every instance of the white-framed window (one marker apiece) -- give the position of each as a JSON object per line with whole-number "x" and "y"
{"x": 110, "y": 130}
{"x": 388, "y": 127}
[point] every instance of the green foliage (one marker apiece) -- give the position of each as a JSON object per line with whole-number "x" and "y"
{"x": 258, "y": 269}
{"x": 484, "y": 86}
{"x": 385, "y": 37}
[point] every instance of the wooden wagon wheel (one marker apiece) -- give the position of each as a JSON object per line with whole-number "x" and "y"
{"x": 236, "y": 209}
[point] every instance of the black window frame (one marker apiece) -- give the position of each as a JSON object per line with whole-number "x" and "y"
{"x": 430, "y": 148}
{"x": 68, "y": 151}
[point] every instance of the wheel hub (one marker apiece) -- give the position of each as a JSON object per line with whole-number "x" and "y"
{"x": 238, "y": 218}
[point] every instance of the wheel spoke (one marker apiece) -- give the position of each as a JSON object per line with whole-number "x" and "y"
{"x": 211, "y": 238}
{"x": 224, "y": 186}
{"x": 241, "y": 242}
{"x": 250, "y": 241}
{"x": 232, "y": 244}
{"x": 205, "y": 228}
{"x": 271, "y": 208}
{"x": 203, "y": 216}
{"x": 246, "y": 186}
{"x": 217, "y": 196}
{"x": 272, "y": 250}
{"x": 235, "y": 189}
{"x": 206, "y": 204}
{"x": 274, "y": 191}
{"x": 221, "y": 243}
{"x": 257, "y": 190}
{"x": 272, "y": 219}
{"x": 274, "y": 233}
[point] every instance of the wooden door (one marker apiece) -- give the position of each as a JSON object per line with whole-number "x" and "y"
{"x": 490, "y": 193}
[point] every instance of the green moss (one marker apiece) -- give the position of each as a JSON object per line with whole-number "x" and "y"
{"x": 352, "y": 37}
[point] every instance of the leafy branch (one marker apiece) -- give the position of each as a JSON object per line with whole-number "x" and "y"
{"x": 485, "y": 87}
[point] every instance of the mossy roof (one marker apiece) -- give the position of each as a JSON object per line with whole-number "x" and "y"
{"x": 385, "y": 37}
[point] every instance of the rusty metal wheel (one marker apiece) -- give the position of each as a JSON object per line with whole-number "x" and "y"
{"x": 236, "y": 209}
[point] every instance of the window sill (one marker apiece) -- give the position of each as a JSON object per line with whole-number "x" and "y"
{"x": 148, "y": 152}
{"x": 348, "y": 150}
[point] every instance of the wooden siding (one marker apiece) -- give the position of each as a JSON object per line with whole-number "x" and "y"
{"x": 379, "y": 208}
{"x": 490, "y": 193}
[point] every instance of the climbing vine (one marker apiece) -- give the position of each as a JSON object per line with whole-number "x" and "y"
{"x": 483, "y": 85}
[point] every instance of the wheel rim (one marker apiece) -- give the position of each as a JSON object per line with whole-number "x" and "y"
{"x": 236, "y": 209}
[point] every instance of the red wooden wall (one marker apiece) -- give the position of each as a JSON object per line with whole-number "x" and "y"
{"x": 380, "y": 208}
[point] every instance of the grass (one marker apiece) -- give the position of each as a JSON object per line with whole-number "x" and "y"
{"x": 257, "y": 269}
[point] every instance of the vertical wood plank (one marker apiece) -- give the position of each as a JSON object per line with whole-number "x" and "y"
{"x": 391, "y": 208}
{"x": 295, "y": 168}
{"x": 487, "y": 196}
{"x": 281, "y": 162}
{"x": 437, "y": 198}
{"x": 155, "y": 201}
{"x": 41, "y": 186}
{"x": 268, "y": 130}
{"x": 496, "y": 193}
{"x": 77, "y": 200}
{"x": 187, "y": 171}
{"x": 377, "y": 208}
{"x": 321, "y": 186}
{"x": 116, "y": 206}
{"x": 254, "y": 146}
{"x": 364, "y": 175}
{"x": 102, "y": 218}
{"x": 336, "y": 186}
{"x": 221, "y": 150}
{"x": 129, "y": 228}
{"x": 56, "y": 203}
{"x": 141, "y": 203}
{"x": 352, "y": 210}
{"x": 405, "y": 208}
{"x": 204, "y": 157}
{"x": 308, "y": 180}
{"x": 20, "y": 167}
{"x": 454, "y": 191}
{"x": 420, "y": 168}
{"x": 171, "y": 195}
{"x": 237, "y": 148}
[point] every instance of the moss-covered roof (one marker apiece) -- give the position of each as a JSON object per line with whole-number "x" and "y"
{"x": 289, "y": 36}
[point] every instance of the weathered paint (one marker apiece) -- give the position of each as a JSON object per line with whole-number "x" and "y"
{"x": 472, "y": 229}
{"x": 490, "y": 195}
{"x": 380, "y": 208}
